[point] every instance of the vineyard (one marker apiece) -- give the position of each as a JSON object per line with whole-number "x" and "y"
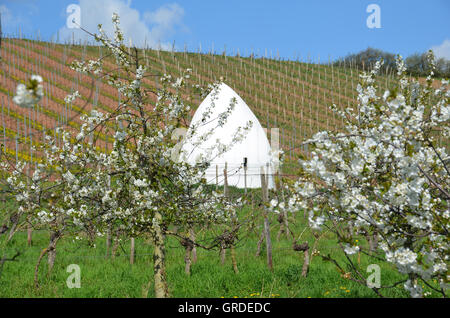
{"x": 114, "y": 234}
{"x": 293, "y": 96}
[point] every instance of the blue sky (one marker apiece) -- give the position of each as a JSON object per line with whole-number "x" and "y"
{"x": 288, "y": 28}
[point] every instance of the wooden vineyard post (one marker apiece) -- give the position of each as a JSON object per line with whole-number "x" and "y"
{"x": 233, "y": 259}
{"x": 265, "y": 198}
{"x": 132, "y": 250}
{"x": 286, "y": 221}
{"x": 225, "y": 181}
{"x": 108, "y": 242}
{"x": 245, "y": 175}
{"x": 217, "y": 177}
{"x": 115, "y": 245}
{"x": 3, "y": 121}
{"x": 261, "y": 239}
{"x": 223, "y": 251}
{"x": 232, "y": 248}
{"x": 283, "y": 217}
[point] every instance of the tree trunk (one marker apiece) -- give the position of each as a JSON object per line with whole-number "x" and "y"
{"x": 286, "y": 223}
{"x": 233, "y": 259}
{"x": 108, "y": 242}
{"x": 258, "y": 247}
{"x": 280, "y": 231}
{"x": 50, "y": 250}
{"x": 36, "y": 267}
{"x": 194, "y": 249}
{"x": 15, "y": 218}
{"x": 282, "y": 219}
{"x": 51, "y": 259}
{"x": 54, "y": 236}
{"x": 29, "y": 235}
{"x": 222, "y": 255}
{"x": 187, "y": 260}
{"x": 159, "y": 262}
{"x": 305, "y": 263}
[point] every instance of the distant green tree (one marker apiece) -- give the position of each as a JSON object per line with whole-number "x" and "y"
{"x": 416, "y": 64}
{"x": 443, "y": 67}
{"x": 367, "y": 58}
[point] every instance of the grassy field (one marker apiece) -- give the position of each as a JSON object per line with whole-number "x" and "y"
{"x": 106, "y": 277}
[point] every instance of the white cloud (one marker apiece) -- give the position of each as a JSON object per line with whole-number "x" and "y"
{"x": 12, "y": 21}
{"x": 442, "y": 50}
{"x": 165, "y": 19}
{"x": 151, "y": 28}
{"x": 6, "y": 14}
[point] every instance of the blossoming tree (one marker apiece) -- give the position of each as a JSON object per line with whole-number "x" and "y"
{"x": 139, "y": 185}
{"x": 386, "y": 176}
{"x": 13, "y": 176}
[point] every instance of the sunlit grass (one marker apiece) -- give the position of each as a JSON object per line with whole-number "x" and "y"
{"x": 101, "y": 277}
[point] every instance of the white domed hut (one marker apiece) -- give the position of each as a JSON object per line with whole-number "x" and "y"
{"x": 245, "y": 158}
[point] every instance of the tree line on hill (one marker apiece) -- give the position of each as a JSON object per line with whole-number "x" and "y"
{"x": 416, "y": 63}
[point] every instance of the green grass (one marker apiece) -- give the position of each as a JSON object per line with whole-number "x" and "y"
{"x": 101, "y": 277}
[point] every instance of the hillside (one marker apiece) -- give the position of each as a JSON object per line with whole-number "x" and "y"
{"x": 291, "y": 95}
